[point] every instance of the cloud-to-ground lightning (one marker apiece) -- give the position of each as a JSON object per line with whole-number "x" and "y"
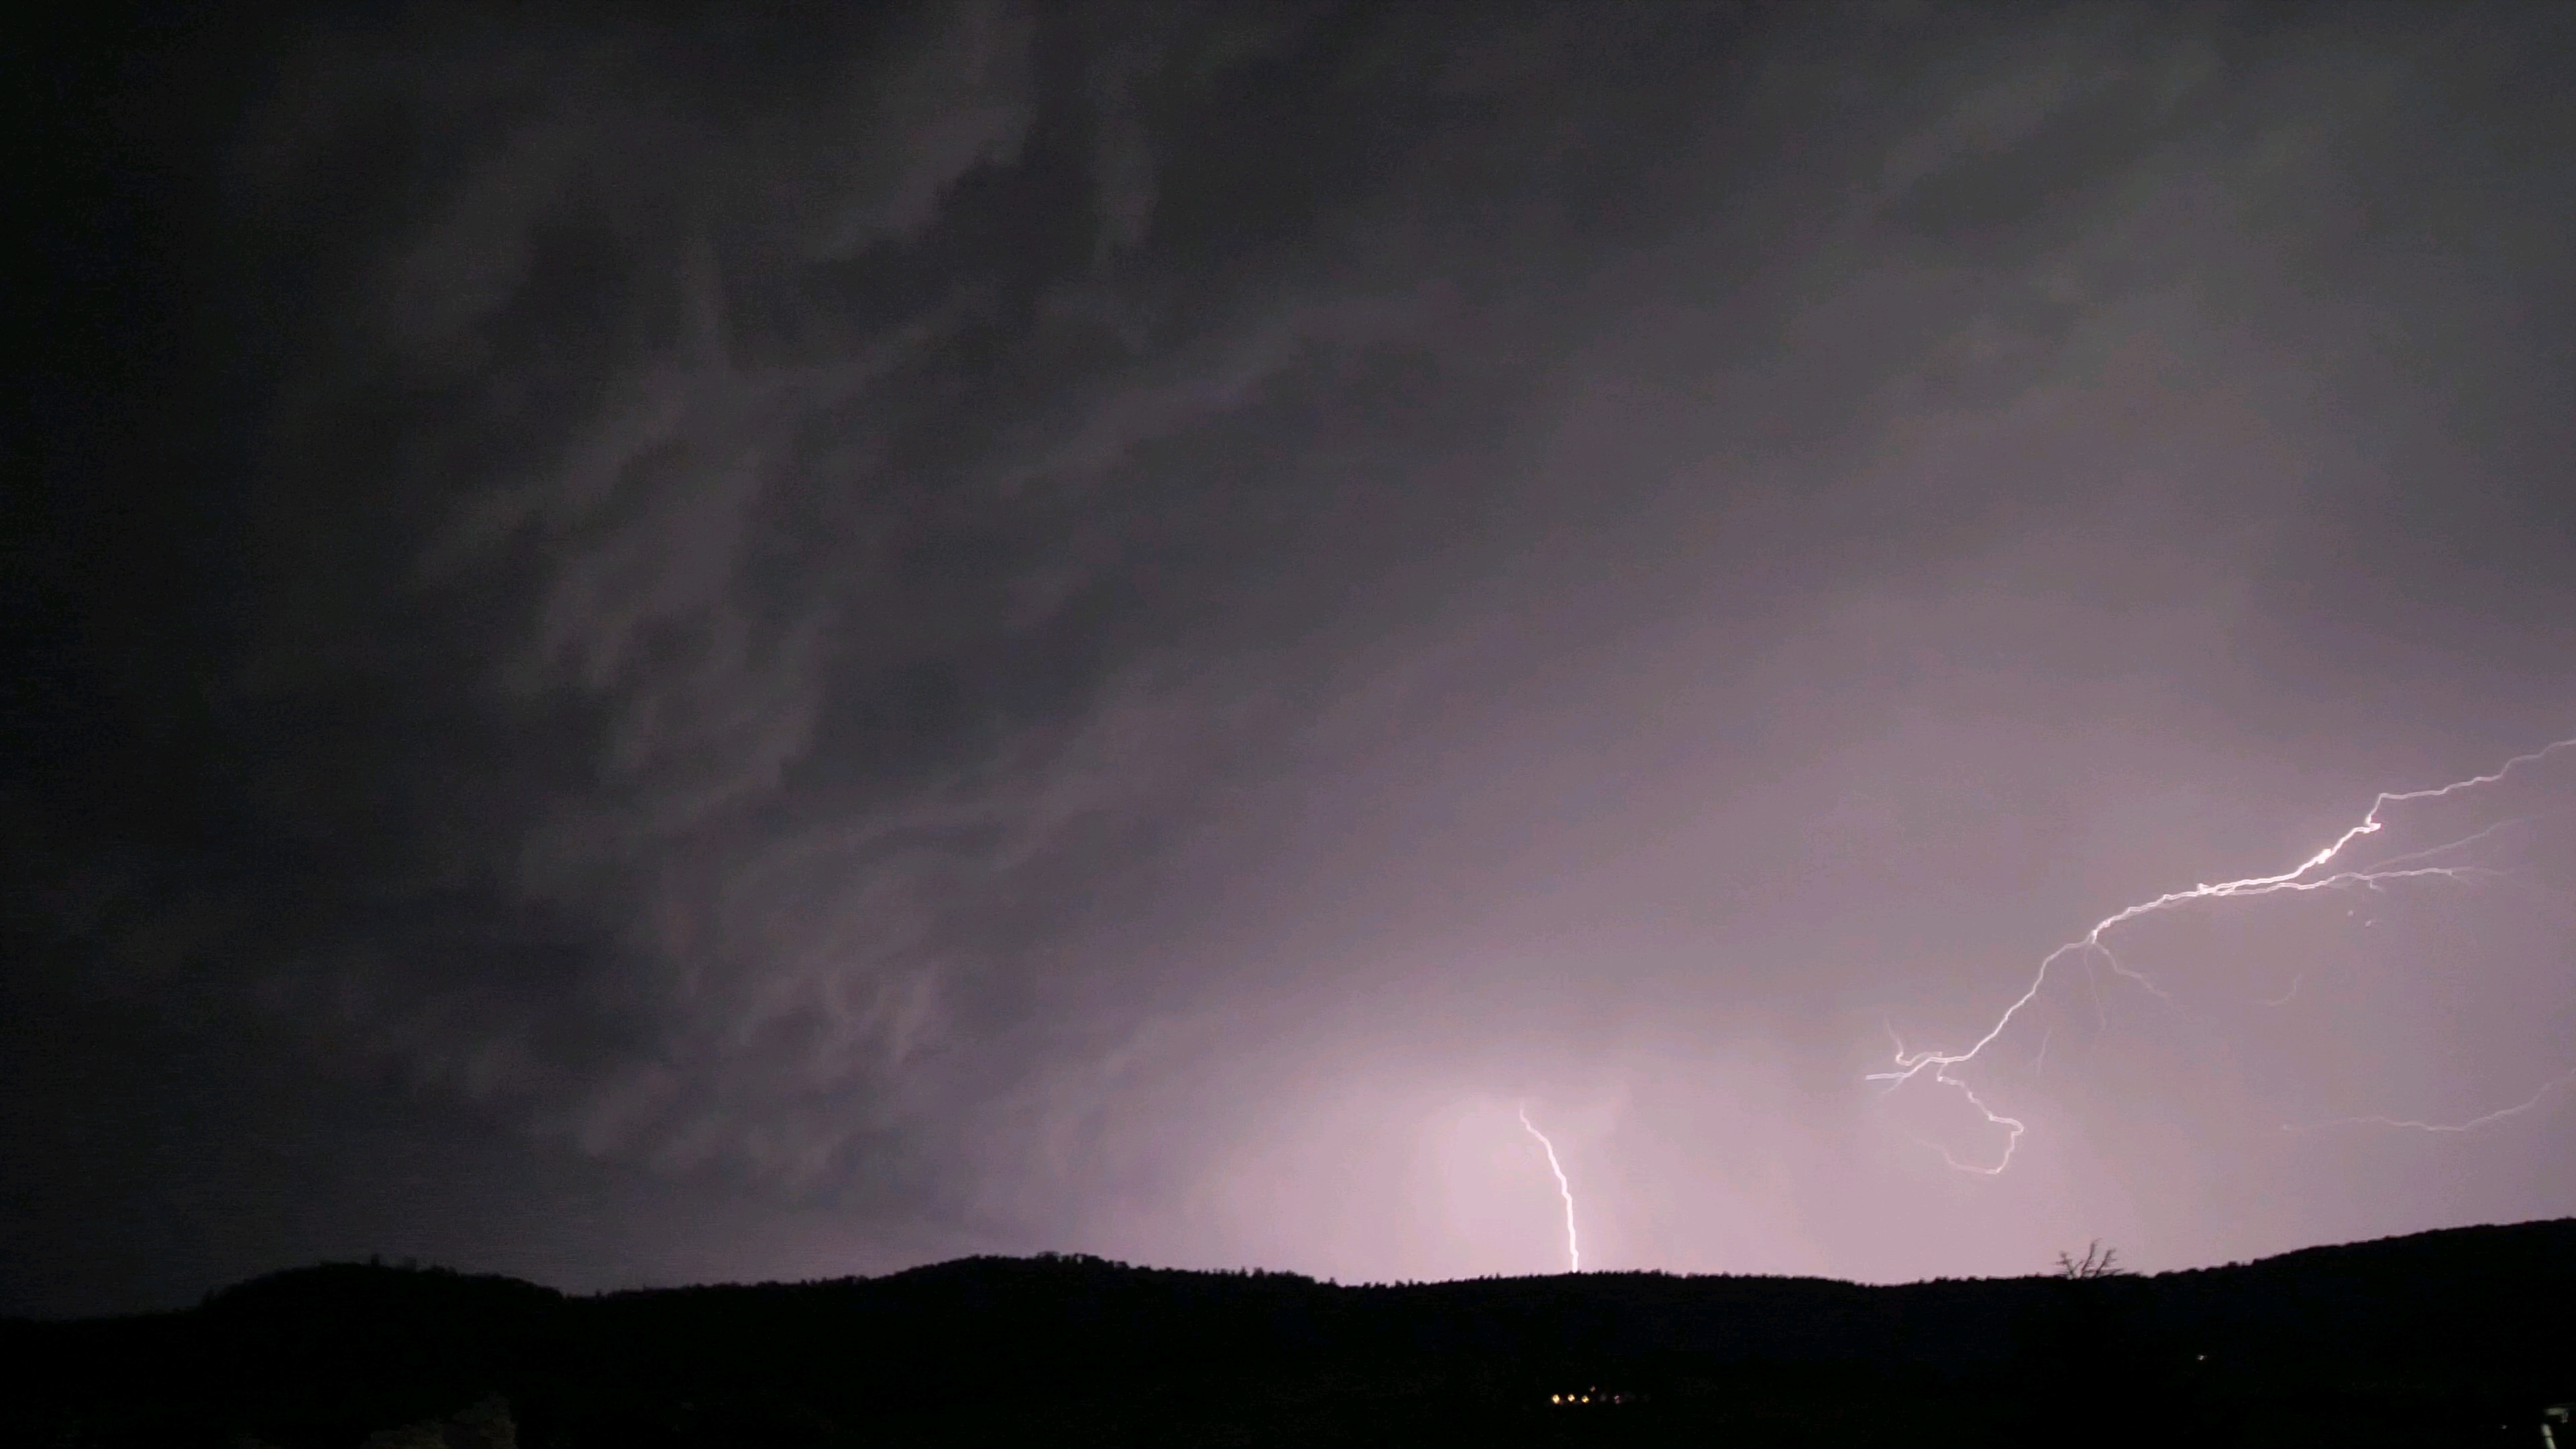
{"x": 2089, "y": 947}
{"x": 1564, "y": 1189}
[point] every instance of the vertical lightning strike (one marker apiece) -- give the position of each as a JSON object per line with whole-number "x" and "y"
{"x": 2089, "y": 948}
{"x": 1564, "y": 1189}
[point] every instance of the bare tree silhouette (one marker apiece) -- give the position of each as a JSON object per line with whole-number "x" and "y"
{"x": 2097, "y": 1262}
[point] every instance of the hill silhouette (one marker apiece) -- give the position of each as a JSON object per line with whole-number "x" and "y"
{"x": 2454, "y": 1337}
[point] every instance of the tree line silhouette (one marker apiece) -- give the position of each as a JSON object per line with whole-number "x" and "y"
{"x": 2456, "y": 1337}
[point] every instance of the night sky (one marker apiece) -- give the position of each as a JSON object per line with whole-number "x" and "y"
{"x": 647, "y": 646}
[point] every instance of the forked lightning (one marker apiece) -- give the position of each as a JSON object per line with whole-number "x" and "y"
{"x": 2305, "y": 877}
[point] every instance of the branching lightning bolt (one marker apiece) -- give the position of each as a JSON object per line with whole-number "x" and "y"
{"x": 2089, "y": 948}
{"x": 1564, "y": 1189}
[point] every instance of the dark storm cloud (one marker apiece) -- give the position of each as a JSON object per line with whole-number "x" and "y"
{"x": 733, "y": 697}
{"x": 1072, "y": 620}
{"x": 744, "y": 522}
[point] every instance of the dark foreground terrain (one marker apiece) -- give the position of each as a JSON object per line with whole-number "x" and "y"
{"x": 2458, "y": 1337}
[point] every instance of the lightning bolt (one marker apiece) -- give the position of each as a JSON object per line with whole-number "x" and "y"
{"x": 2473, "y": 1124}
{"x": 2089, "y": 948}
{"x": 1564, "y": 1189}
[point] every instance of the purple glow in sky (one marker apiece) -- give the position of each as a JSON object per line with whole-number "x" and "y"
{"x": 781, "y": 644}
